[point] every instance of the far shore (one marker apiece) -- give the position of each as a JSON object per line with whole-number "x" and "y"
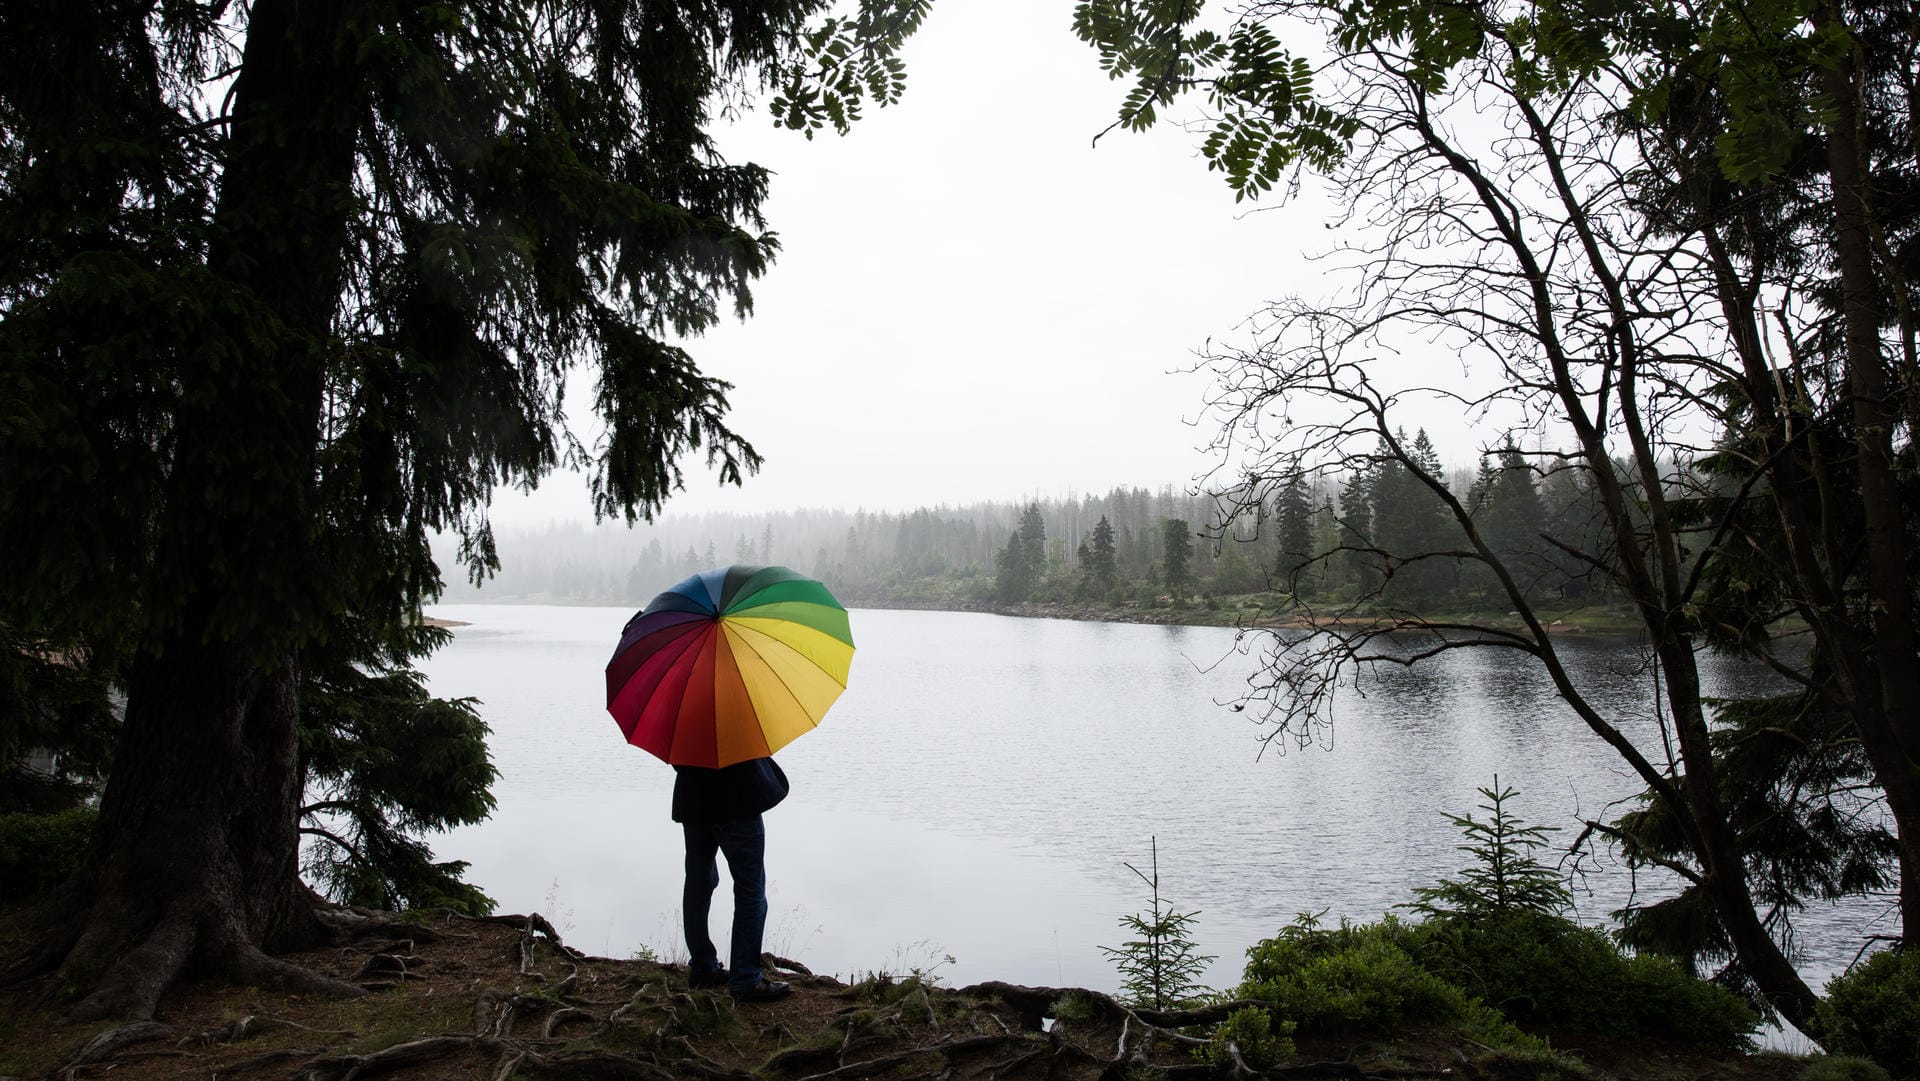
{"x": 1593, "y": 619}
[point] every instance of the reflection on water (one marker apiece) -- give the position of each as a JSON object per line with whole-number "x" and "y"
{"x": 981, "y": 783}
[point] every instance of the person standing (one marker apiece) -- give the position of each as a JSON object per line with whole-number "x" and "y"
{"x": 719, "y": 810}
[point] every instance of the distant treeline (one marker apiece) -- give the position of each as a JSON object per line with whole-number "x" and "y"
{"x": 1313, "y": 538}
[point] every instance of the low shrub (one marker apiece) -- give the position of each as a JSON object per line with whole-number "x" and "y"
{"x": 41, "y": 850}
{"x": 1545, "y": 971}
{"x": 1874, "y": 1010}
{"x": 1843, "y": 1068}
{"x": 1362, "y": 977}
{"x": 1250, "y": 1033}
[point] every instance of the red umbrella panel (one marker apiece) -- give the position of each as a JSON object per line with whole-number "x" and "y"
{"x": 729, "y": 665}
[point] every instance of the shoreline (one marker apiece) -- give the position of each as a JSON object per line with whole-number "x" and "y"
{"x": 1587, "y": 621}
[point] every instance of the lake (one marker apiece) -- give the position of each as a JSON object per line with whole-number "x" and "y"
{"x": 980, "y": 788}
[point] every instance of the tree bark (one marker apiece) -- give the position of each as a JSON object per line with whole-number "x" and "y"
{"x": 195, "y": 862}
{"x": 1890, "y": 733}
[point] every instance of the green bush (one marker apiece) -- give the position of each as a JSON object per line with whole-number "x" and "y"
{"x": 1843, "y": 1068}
{"x": 1356, "y": 975}
{"x": 1251, "y": 1033}
{"x": 1543, "y": 971}
{"x": 41, "y": 850}
{"x": 1874, "y": 1010}
{"x": 1498, "y": 930}
{"x": 1363, "y": 977}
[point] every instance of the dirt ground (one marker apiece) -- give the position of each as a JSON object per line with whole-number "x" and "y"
{"x": 491, "y": 999}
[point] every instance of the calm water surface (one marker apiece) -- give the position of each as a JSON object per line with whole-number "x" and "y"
{"x": 980, "y": 787}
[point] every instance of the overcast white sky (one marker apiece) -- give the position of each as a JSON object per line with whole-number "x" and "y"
{"x": 974, "y": 301}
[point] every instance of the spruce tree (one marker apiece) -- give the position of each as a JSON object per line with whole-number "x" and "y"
{"x": 1014, "y": 573}
{"x": 1293, "y": 516}
{"x": 1033, "y": 545}
{"x": 1514, "y": 519}
{"x": 290, "y": 287}
{"x": 1105, "y": 556}
{"x": 1176, "y": 539}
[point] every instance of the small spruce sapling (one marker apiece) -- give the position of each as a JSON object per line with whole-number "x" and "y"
{"x": 1160, "y": 968}
{"x": 1506, "y": 876}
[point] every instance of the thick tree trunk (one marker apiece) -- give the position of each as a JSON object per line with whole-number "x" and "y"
{"x": 1890, "y": 734}
{"x": 196, "y": 868}
{"x": 195, "y": 865}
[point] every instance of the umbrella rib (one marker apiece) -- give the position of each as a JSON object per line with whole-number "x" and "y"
{"x": 710, "y": 629}
{"x": 813, "y": 722}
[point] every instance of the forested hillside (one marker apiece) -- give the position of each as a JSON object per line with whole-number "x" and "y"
{"x": 1322, "y": 538}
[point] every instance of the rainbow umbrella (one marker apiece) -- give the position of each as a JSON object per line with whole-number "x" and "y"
{"x": 729, "y": 665}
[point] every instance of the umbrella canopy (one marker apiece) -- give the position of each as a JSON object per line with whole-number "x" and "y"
{"x": 729, "y": 665}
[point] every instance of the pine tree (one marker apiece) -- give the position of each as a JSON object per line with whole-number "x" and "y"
{"x": 1160, "y": 969}
{"x": 1514, "y": 519}
{"x": 1505, "y": 876}
{"x": 1293, "y": 516}
{"x": 1361, "y": 563}
{"x": 1014, "y": 573}
{"x": 1105, "y": 556}
{"x": 289, "y": 288}
{"x": 1410, "y": 522}
{"x": 1033, "y": 543}
{"x": 1176, "y": 538}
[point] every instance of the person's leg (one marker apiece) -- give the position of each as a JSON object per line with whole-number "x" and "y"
{"x": 745, "y": 846}
{"x": 696, "y": 900}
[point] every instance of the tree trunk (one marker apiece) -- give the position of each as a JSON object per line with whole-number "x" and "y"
{"x": 195, "y": 863}
{"x": 1889, "y": 734}
{"x": 196, "y": 866}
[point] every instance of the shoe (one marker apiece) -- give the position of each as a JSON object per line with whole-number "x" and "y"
{"x": 764, "y": 991}
{"x": 698, "y": 980}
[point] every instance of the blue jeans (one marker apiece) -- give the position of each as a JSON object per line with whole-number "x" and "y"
{"x": 745, "y": 845}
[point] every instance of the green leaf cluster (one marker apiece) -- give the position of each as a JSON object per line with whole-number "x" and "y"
{"x": 1873, "y": 1009}
{"x": 1790, "y": 776}
{"x": 386, "y": 761}
{"x": 1249, "y": 1037}
{"x": 1495, "y": 956}
{"x": 40, "y": 850}
{"x": 1362, "y": 978}
{"x": 1494, "y": 978}
{"x": 1547, "y": 973}
{"x": 846, "y": 61}
{"x": 1266, "y": 118}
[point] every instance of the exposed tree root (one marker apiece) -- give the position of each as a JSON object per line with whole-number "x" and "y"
{"x": 248, "y": 1026}
{"x": 249, "y": 965}
{"x": 125, "y": 970}
{"x": 883, "y": 1063}
{"x": 109, "y": 1044}
{"x": 413, "y": 1052}
{"x": 1039, "y": 1001}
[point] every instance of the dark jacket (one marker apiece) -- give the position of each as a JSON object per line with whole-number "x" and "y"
{"x": 728, "y": 794}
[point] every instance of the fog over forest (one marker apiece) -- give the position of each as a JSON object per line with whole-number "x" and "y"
{"x": 957, "y": 556}
{"x": 863, "y": 556}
